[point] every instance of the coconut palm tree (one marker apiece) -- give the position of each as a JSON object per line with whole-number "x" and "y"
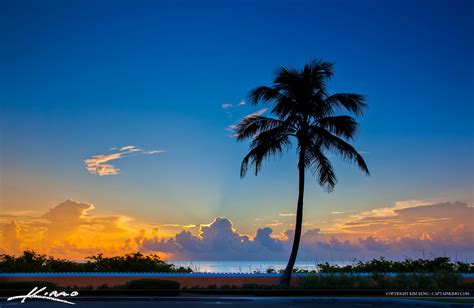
{"x": 303, "y": 113}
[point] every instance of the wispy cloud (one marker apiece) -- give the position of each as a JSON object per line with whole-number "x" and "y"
{"x": 231, "y": 128}
{"x": 189, "y": 226}
{"x": 257, "y": 113}
{"x": 99, "y": 164}
{"x": 230, "y": 106}
{"x": 342, "y": 212}
{"x": 287, "y": 214}
{"x": 406, "y": 218}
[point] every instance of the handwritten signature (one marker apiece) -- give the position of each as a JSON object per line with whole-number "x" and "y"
{"x": 52, "y": 296}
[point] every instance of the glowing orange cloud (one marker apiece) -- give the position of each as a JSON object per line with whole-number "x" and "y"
{"x": 71, "y": 230}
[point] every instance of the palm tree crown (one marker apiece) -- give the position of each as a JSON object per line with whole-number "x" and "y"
{"x": 304, "y": 111}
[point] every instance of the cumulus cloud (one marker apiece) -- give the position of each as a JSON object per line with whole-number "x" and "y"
{"x": 66, "y": 217}
{"x": 216, "y": 241}
{"x": 10, "y": 237}
{"x": 407, "y": 229}
{"x": 68, "y": 230}
{"x": 98, "y": 164}
{"x": 416, "y": 237}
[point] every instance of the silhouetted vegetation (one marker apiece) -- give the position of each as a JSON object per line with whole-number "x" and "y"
{"x": 439, "y": 264}
{"x": 31, "y": 261}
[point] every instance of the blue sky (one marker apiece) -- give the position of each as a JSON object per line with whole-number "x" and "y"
{"x": 83, "y": 77}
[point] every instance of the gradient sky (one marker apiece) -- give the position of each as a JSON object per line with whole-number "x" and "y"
{"x": 82, "y": 77}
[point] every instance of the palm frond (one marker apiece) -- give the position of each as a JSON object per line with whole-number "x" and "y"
{"x": 289, "y": 82}
{"x": 345, "y": 126}
{"x": 266, "y": 144}
{"x": 320, "y": 72}
{"x": 321, "y": 168}
{"x": 354, "y": 103}
{"x": 342, "y": 148}
{"x": 263, "y": 93}
{"x": 254, "y": 124}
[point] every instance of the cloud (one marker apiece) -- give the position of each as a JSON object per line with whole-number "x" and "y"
{"x": 189, "y": 226}
{"x": 287, "y": 214}
{"x": 66, "y": 217}
{"x": 216, "y": 241}
{"x": 68, "y": 230}
{"x": 98, "y": 164}
{"x": 416, "y": 238}
{"x": 406, "y": 229}
{"x": 10, "y": 237}
{"x": 257, "y": 113}
{"x": 230, "y": 106}
{"x": 342, "y": 212}
{"x": 408, "y": 217}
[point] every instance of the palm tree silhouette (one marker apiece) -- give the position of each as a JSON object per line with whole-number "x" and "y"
{"x": 303, "y": 112}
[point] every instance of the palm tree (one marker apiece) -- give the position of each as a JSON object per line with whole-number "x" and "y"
{"x": 303, "y": 112}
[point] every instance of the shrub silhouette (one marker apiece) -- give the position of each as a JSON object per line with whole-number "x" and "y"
{"x": 31, "y": 261}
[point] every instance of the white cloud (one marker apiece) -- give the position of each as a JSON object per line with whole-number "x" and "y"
{"x": 342, "y": 212}
{"x": 98, "y": 164}
{"x": 413, "y": 237}
{"x": 230, "y": 106}
{"x": 153, "y": 152}
{"x": 217, "y": 241}
{"x": 257, "y": 113}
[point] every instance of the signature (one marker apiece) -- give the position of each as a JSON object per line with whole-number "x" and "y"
{"x": 52, "y": 296}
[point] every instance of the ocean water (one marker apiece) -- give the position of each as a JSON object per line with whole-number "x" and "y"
{"x": 245, "y": 266}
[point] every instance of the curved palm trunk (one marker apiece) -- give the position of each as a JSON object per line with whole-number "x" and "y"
{"x": 286, "y": 277}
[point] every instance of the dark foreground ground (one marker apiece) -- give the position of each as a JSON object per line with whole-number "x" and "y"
{"x": 238, "y": 302}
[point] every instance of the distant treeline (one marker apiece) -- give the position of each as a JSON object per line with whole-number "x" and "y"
{"x": 439, "y": 264}
{"x": 31, "y": 261}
